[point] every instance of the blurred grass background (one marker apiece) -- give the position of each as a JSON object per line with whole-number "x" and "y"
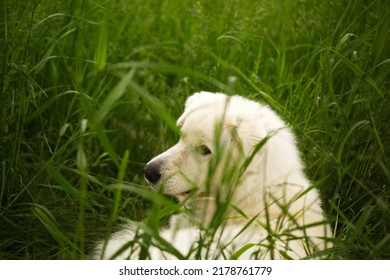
{"x": 89, "y": 91}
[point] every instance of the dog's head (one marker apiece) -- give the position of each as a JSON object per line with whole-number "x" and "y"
{"x": 218, "y": 148}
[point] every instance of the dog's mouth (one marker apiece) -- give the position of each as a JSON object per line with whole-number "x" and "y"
{"x": 184, "y": 194}
{"x": 189, "y": 195}
{"x": 180, "y": 194}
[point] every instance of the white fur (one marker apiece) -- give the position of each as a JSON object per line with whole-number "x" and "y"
{"x": 272, "y": 190}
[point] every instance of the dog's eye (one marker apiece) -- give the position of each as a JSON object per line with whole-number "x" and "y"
{"x": 204, "y": 150}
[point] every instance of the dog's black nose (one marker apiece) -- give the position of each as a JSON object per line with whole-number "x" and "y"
{"x": 152, "y": 172}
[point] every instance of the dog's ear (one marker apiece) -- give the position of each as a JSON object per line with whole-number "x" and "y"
{"x": 194, "y": 102}
{"x": 246, "y": 134}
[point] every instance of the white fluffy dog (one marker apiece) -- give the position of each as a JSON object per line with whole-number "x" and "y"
{"x": 238, "y": 170}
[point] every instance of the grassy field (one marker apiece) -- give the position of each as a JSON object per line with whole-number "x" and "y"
{"x": 89, "y": 91}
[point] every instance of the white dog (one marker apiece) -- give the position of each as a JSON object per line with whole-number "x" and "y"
{"x": 238, "y": 170}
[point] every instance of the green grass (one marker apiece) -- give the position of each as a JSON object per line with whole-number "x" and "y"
{"x": 89, "y": 91}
